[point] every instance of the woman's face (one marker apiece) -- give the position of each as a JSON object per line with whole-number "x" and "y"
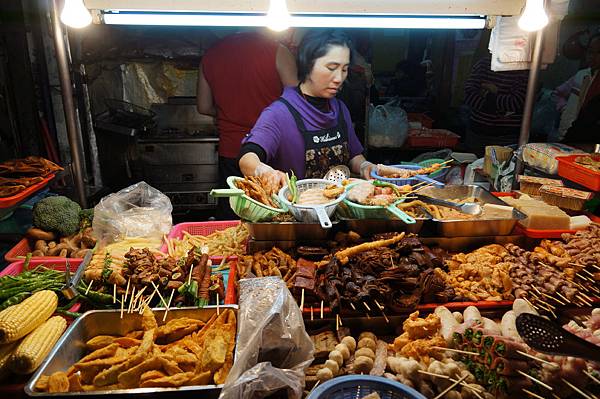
{"x": 328, "y": 73}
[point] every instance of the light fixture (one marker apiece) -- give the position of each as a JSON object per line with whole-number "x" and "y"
{"x": 278, "y": 17}
{"x": 534, "y": 16}
{"x": 75, "y": 15}
{"x": 295, "y": 20}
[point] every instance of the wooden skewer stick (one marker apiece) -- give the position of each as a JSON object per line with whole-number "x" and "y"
{"x": 378, "y": 305}
{"x": 162, "y": 300}
{"x": 337, "y": 323}
{"x": 588, "y": 272}
{"x": 88, "y": 287}
{"x": 596, "y": 380}
{"x": 579, "y": 391}
{"x": 445, "y": 377}
{"x": 122, "y": 304}
{"x": 455, "y": 350}
{"x": 585, "y": 296}
{"x": 368, "y": 316}
{"x": 385, "y": 317}
{"x": 168, "y": 305}
{"x": 555, "y": 396}
{"x": 445, "y": 391}
{"x": 321, "y": 309}
{"x": 131, "y": 300}
{"x": 352, "y": 306}
{"x": 582, "y": 299}
{"x": 340, "y": 319}
{"x": 562, "y": 297}
{"x": 302, "y": 301}
{"x": 127, "y": 289}
{"x": 539, "y": 359}
{"x": 114, "y": 293}
{"x": 548, "y": 387}
{"x": 535, "y": 395}
{"x": 367, "y": 306}
{"x": 218, "y": 304}
{"x": 555, "y": 299}
{"x": 312, "y": 315}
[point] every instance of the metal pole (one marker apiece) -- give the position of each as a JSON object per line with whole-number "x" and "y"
{"x": 534, "y": 72}
{"x": 73, "y": 132}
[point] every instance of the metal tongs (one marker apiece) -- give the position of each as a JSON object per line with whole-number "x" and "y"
{"x": 69, "y": 290}
{"x": 470, "y": 208}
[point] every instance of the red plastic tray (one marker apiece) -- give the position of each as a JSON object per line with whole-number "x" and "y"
{"x": 7, "y": 202}
{"x": 199, "y": 229}
{"x": 432, "y": 138}
{"x": 568, "y": 169}
{"x": 22, "y": 248}
{"x": 59, "y": 264}
{"x": 533, "y": 233}
{"x": 231, "y": 293}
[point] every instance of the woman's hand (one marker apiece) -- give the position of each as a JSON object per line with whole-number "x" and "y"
{"x": 272, "y": 179}
{"x": 360, "y": 166}
{"x": 365, "y": 169}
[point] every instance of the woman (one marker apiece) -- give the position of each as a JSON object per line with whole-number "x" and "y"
{"x": 307, "y": 130}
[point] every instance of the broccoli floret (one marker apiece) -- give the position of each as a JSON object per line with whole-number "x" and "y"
{"x": 58, "y": 214}
{"x": 86, "y": 217}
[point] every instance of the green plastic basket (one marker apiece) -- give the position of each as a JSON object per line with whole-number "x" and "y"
{"x": 351, "y": 210}
{"x": 245, "y": 207}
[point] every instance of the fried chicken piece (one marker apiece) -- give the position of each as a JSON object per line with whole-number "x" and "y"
{"x": 400, "y": 342}
{"x": 417, "y": 328}
{"x": 99, "y": 342}
{"x": 58, "y": 382}
{"x": 420, "y": 349}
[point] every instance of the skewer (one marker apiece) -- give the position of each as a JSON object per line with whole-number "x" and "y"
{"x": 536, "y": 358}
{"x": 340, "y": 319}
{"x": 585, "y": 296}
{"x": 367, "y": 306}
{"x": 168, "y": 305}
{"x": 131, "y": 300}
{"x": 596, "y": 380}
{"x": 473, "y": 389}
{"x": 368, "y": 316}
{"x": 218, "y": 304}
{"x": 88, "y": 287}
{"x": 302, "y": 301}
{"x": 595, "y": 267}
{"x": 555, "y": 299}
{"x": 588, "y": 272}
{"x": 127, "y": 289}
{"x": 579, "y": 391}
{"x": 114, "y": 293}
{"x": 337, "y": 323}
{"x": 321, "y": 309}
{"x": 162, "y": 300}
{"x": 312, "y": 316}
{"x": 555, "y": 396}
{"x": 455, "y": 350}
{"x": 190, "y": 275}
{"x": 122, "y": 304}
{"x": 562, "y": 297}
{"x": 535, "y": 395}
{"x": 385, "y": 317}
{"x": 582, "y": 299}
{"x": 535, "y": 380}
{"x": 445, "y": 391}
{"x": 378, "y": 305}
{"x": 352, "y": 306}
{"x": 530, "y": 304}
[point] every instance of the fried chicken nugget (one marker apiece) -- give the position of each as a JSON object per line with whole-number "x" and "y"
{"x": 58, "y": 382}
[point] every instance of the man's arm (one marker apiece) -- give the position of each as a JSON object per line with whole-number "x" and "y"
{"x": 286, "y": 66}
{"x": 204, "y": 99}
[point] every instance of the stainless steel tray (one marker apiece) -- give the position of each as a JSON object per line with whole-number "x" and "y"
{"x": 368, "y": 227}
{"x": 289, "y": 231}
{"x": 476, "y": 227}
{"x": 71, "y": 347}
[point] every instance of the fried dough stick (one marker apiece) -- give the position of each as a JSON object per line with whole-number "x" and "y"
{"x": 344, "y": 255}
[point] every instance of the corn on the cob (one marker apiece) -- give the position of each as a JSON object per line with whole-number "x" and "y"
{"x": 19, "y": 320}
{"x": 5, "y": 352}
{"x": 35, "y": 347}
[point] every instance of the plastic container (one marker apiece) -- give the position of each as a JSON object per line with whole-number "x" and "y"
{"x": 7, "y": 202}
{"x": 534, "y": 233}
{"x": 544, "y": 156}
{"x": 59, "y": 264}
{"x": 432, "y": 138}
{"x": 200, "y": 229}
{"x": 579, "y": 174}
{"x": 22, "y": 248}
{"x": 402, "y": 182}
{"x": 358, "y": 386}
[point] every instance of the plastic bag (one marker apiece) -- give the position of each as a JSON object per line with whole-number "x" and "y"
{"x": 388, "y": 125}
{"x": 273, "y": 349}
{"x": 136, "y": 211}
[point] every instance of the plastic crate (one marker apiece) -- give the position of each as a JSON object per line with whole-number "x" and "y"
{"x": 358, "y": 386}
{"x": 432, "y": 138}
{"x": 199, "y": 229}
{"x": 22, "y": 248}
{"x": 568, "y": 169}
{"x": 7, "y": 202}
{"x": 55, "y": 263}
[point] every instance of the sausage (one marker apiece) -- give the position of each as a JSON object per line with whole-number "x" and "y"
{"x": 39, "y": 234}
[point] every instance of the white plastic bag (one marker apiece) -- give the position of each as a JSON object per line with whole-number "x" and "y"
{"x": 388, "y": 125}
{"x": 139, "y": 210}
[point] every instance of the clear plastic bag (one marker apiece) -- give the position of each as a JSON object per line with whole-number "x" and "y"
{"x": 388, "y": 125}
{"x": 273, "y": 349}
{"x": 139, "y": 210}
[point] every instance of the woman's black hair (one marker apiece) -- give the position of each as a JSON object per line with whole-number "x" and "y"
{"x": 315, "y": 44}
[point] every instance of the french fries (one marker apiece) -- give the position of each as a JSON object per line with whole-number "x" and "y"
{"x": 228, "y": 242}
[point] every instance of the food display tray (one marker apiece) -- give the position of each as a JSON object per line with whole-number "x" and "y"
{"x": 71, "y": 348}
{"x": 536, "y": 233}
{"x": 290, "y": 231}
{"x": 570, "y": 170}
{"x": 22, "y": 248}
{"x": 368, "y": 227}
{"x": 55, "y": 263}
{"x": 7, "y": 202}
{"x": 476, "y": 227}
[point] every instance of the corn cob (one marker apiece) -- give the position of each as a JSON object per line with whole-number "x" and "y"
{"x": 19, "y": 320}
{"x": 35, "y": 347}
{"x": 5, "y": 351}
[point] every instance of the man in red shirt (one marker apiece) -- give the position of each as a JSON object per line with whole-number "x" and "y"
{"x": 239, "y": 76}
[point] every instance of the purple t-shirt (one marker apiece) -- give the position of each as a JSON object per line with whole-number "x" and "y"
{"x": 276, "y": 131}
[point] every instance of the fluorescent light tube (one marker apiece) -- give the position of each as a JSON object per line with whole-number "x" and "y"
{"x": 309, "y": 21}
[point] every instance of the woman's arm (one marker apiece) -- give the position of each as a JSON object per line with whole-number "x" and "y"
{"x": 250, "y": 165}
{"x": 360, "y": 166}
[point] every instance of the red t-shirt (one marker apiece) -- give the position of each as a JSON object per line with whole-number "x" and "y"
{"x": 242, "y": 74}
